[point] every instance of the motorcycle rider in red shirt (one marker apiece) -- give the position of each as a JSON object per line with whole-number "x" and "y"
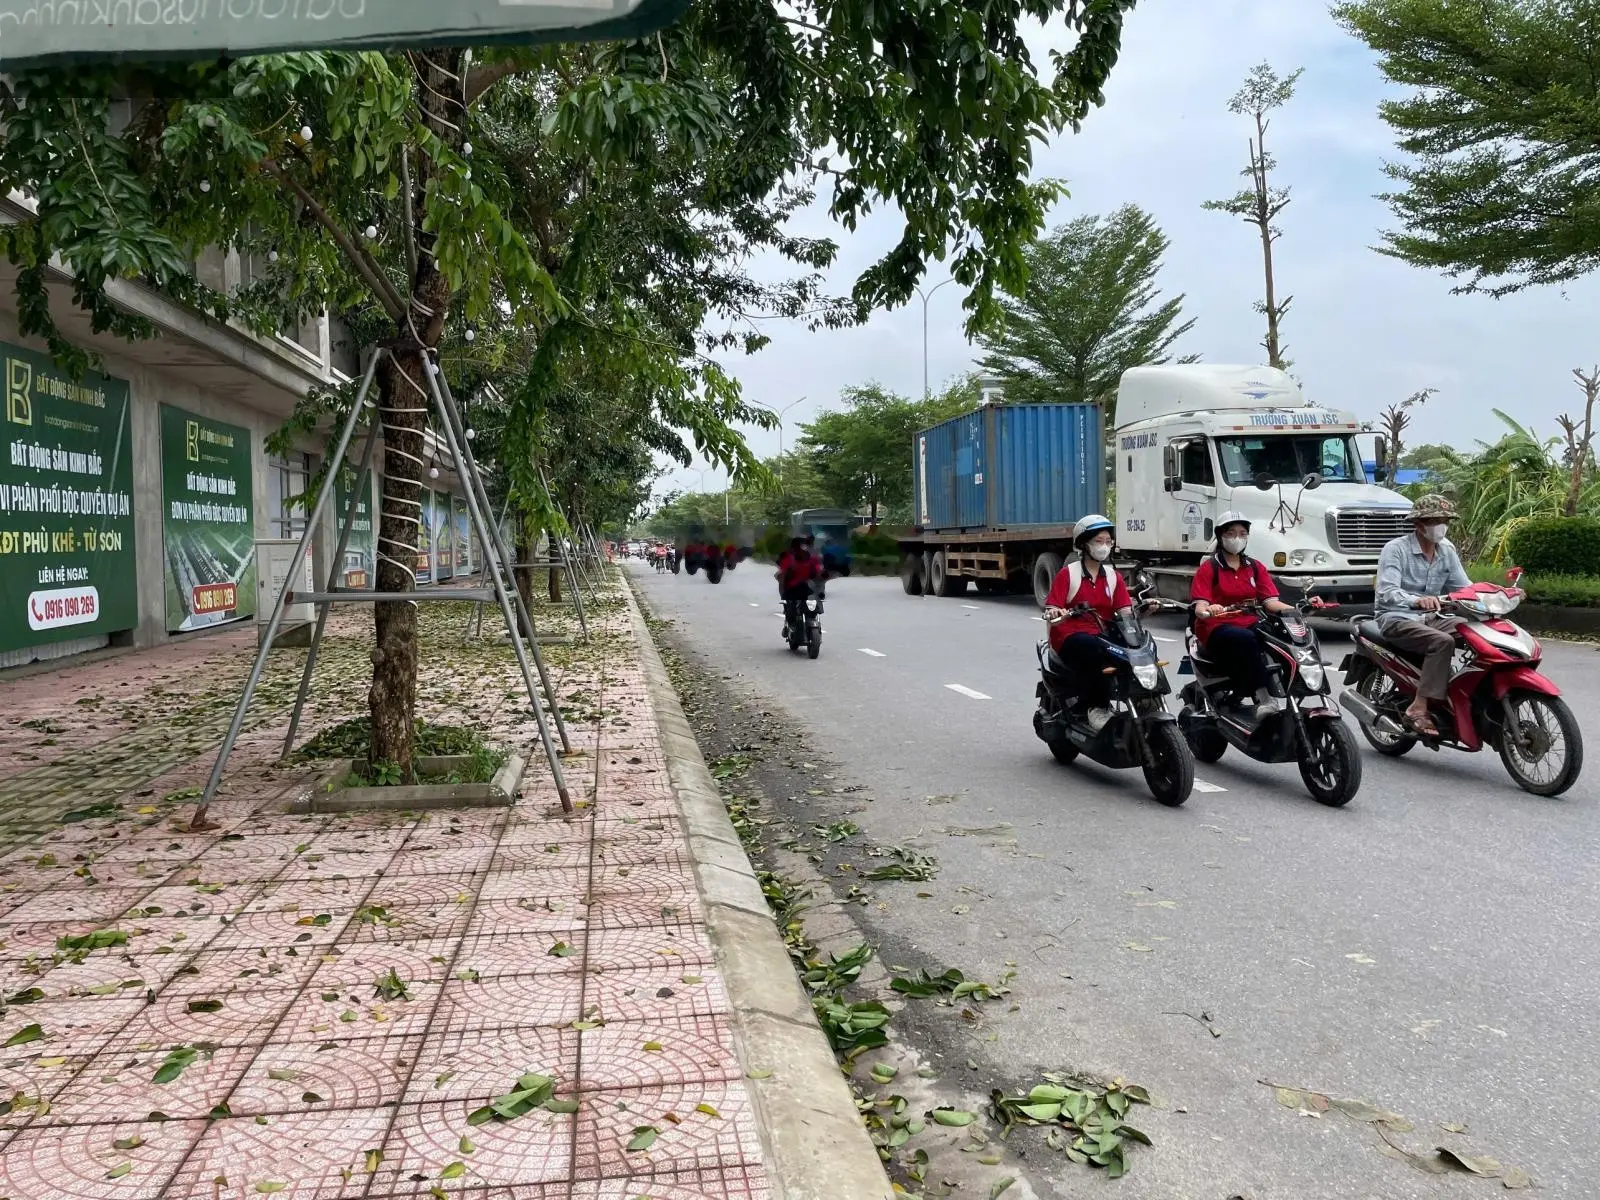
{"x": 1227, "y": 578}
{"x": 1078, "y": 641}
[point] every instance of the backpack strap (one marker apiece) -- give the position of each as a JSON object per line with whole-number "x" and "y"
{"x": 1075, "y": 578}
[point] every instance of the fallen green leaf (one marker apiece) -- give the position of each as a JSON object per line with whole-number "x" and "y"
{"x": 454, "y": 1170}
{"x": 644, "y": 1136}
{"x": 953, "y": 1118}
{"x": 28, "y": 1033}
{"x": 178, "y": 1060}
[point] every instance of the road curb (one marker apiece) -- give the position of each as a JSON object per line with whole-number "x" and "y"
{"x": 816, "y": 1146}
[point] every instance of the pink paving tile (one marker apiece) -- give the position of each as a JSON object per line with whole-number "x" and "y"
{"x": 355, "y": 1013}
{"x": 645, "y": 852}
{"x": 118, "y": 1083}
{"x": 220, "y": 972}
{"x": 737, "y": 1182}
{"x": 71, "y": 1027}
{"x": 509, "y": 1002}
{"x": 647, "y": 877}
{"x": 462, "y": 832}
{"x": 630, "y": 910}
{"x": 104, "y": 974}
{"x": 549, "y": 953}
{"x": 340, "y": 893}
{"x": 515, "y": 884}
{"x": 244, "y": 1019}
{"x": 423, "y": 1190}
{"x": 25, "y": 938}
{"x": 308, "y": 1152}
{"x": 337, "y": 864}
{"x": 618, "y": 1055}
{"x": 180, "y": 900}
{"x": 339, "y": 838}
{"x": 657, "y": 994}
{"x": 478, "y": 1064}
{"x": 73, "y": 1162}
{"x": 539, "y": 830}
{"x": 80, "y": 904}
{"x": 607, "y": 1121}
{"x": 636, "y": 949}
{"x": 440, "y": 859}
{"x": 306, "y": 931}
{"x": 238, "y": 870}
{"x": 307, "y": 828}
{"x": 278, "y": 847}
{"x": 360, "y": 1074}
{"x": 540, "y": 856}
{"x": 358, "y": 965}
{"x": 533, "y": 1149}
{"x": 531, "y": 914}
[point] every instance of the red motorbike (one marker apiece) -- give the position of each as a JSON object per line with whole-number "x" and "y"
{"x": 1496, "y": 695}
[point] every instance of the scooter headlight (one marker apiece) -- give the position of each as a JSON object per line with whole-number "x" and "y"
{"x": 1311, "y": 669}
{"x": 1148, "y": 675}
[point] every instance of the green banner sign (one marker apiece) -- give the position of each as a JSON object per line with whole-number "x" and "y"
{"x": 66, "y": 505}
{"x": 37, "y": 33}
{"x": 208, "y": 521}
{"x": 357, "y": 570}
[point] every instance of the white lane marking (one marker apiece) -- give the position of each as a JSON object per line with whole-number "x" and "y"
{"x": 753, "y": 604}
{"x": 1201, "y": 785}
{"x": 966, "y": 691}
{"x": 1172, "y": 641}
{"x": 973, "y": 607}
{"x": 873, "y": 653}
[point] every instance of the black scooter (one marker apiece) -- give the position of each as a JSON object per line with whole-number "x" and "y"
{"x": 807, "y": 631}
{"x": 1141, "y": 732}
{"x": 1307, "y": 730}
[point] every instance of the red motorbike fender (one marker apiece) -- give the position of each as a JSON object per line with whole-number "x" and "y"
{"x": 1525, "y": 678}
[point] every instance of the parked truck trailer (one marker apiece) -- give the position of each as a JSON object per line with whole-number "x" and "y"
{"x": 997, "y": 490}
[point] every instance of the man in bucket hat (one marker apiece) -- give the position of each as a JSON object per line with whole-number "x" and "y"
{"x": 1414, "y": 571}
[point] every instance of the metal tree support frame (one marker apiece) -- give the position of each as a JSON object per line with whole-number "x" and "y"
{"x": 325, "y": 600}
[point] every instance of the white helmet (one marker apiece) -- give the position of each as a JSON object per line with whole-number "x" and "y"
{"x": 1232, "y": 518}
{"x": 1088, "y": 526}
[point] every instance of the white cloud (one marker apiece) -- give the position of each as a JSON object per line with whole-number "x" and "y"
{"x": 1364, "y": 330}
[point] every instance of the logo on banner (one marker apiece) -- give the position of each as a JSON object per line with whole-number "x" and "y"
{"x": 19, "y": 385}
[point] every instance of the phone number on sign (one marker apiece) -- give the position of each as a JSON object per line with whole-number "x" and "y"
{"x": 63, "y": 606}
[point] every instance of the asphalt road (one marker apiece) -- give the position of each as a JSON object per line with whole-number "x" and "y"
{"x": 1430, "y": 948}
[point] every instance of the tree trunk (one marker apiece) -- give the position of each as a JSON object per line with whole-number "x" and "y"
{"x": 555, "y": 574}
{"x": 1575, "y": 490}
{"x": 392, "y": 700}
{"x": 527, "y": 548}
{"x": 405, "y": 403}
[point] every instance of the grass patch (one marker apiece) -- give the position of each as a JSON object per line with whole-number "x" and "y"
{"x": 352, "y": 739}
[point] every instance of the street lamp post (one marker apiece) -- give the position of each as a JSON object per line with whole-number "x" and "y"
{"x": 926, "y": 296}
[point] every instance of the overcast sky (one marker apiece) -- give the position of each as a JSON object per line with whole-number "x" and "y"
{"x": 1364, "y": 329}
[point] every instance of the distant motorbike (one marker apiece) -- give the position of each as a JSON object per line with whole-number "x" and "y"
{"x": 1497, "y": 696}
{"x": 1141, "y": 732}
{"x": 803, "y": 626}
{"x": 1308, "y": 730}
{"x": 714, "y": 564}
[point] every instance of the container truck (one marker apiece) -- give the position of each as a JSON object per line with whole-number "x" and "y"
{"x": 997, "y": 490}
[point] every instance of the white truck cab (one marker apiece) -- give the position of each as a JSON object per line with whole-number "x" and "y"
{"x": 1194, "y": 440}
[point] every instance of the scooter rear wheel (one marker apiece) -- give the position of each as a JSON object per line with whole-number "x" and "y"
{"x": 1378, "y": 690}
{"x": 1170, "y": 772}
{"x": 1336, "y": 775}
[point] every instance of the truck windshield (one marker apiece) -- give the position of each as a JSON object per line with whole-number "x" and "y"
{"x": 1289, "y": 458}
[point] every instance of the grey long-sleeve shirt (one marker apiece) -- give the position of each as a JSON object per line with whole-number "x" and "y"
{"x": 1404, "y": 575}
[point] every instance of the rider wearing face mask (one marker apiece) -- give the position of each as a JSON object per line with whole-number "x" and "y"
{"x": 1227, "y": 578}
{"x": 1413, "y": 572}
{"x": 1078, "y": 640}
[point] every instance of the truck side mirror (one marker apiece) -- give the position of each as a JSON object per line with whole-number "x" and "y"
{"x": 1264, "y": 482}
{"x": 1380, "y": 453}
{"x": 1169, "y": 467}
{"x": 1312, "y": 481}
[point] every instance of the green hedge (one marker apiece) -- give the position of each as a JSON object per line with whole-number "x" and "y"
{"x": 1566, "y": 591}
{"x": 874, "y": 545}
{"x": 1549, "y": 546}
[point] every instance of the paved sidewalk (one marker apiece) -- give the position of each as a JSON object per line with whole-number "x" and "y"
{"x": 326, "y": 1001}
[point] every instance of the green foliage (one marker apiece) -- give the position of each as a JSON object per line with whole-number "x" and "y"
{"x": 353, "y": 739}
{"x": 1565, "y": 591}
{"x": 1088, "y": 1124}
{"x": 861, "y": 454}
{"x": 1501, "y": 126}
{"x": 1557, "y": 545}
{"x": 1091, "y": 310}
{"x": 874, "y": 545}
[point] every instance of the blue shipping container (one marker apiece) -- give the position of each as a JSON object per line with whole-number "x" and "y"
{"x": 1010, "y": 466}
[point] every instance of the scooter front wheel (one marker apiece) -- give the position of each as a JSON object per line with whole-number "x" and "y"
{"x": 1170, "y": 772}
{"x": 1544, "y": 752}
{"x": 1207, "y": 745}
{"x": 1331, "y": 770}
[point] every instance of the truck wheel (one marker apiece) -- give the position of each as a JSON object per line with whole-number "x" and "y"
{"x": 911, "y": 574}
{"x": 944, "y": 584}
{"x": 1045, "y": 569}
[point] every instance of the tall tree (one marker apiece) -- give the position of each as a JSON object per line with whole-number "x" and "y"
{"x": 376, "y": 181}
{"x": 1091, "y": 310}
{"x": 1260, "y": 203}
{"x": 1503, "y": 127}
{"x": 1395, "y": 420}
{"x": 1580, "y": 436}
